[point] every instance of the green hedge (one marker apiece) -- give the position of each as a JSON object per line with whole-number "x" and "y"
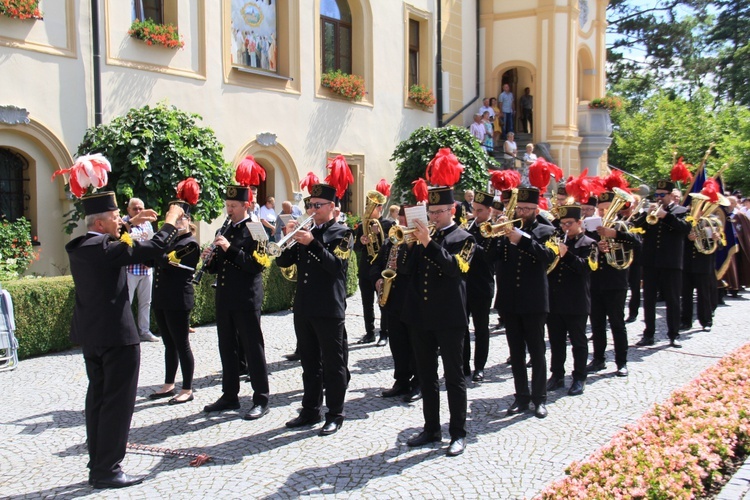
{"x": 43, "y": 307}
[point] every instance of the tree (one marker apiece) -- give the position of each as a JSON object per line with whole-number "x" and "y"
{"x": 413, "y": 154}
{"x": 730, "y": 37}
{"x": 151, "y": 150}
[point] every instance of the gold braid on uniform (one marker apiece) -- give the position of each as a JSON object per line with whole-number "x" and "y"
{"x": 344, "y": 248}
{"x": 462, "y": 257}
{"x": 127, "y": 239}
{"x": 552, "y": 246}
{"x": 172, "y": 256}
{"x": 261, "y": 259}
{"x": 636, "y": 230}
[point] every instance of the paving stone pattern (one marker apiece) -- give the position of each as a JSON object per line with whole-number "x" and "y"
{"x": 42, "y": 429}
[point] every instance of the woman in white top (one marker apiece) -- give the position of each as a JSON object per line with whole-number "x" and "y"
{"x": 510, "y": 149}
{"x": 528, "y": 158}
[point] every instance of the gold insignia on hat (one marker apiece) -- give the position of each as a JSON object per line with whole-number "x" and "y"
{"x": 479, "y": 197}
{"x": 231, "y": 192}
{"x": 523, "y": 195}
{"x": 562, "y": 212}
{"x": 317, "y": 190}
{"x": 434, "y": 198}
{"x": 661, "y": 185}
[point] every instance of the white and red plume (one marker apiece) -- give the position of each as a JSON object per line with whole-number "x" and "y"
{"x": 88, "y": 170}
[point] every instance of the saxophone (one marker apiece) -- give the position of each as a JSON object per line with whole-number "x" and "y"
{"x": 388, "y": 275}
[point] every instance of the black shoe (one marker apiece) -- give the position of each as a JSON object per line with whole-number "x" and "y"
{"x": 529, "y": 364}
{"x": 175, "y": 401}
{"x": 303, "y": 420}
{"x": 256, "y": 412}
{"x": 507, "y": 361}
{"x": 707, "y": 328}
{"x": 222, "y": 404}
{"x": 396, "y": 390}
{"x": 645, "y": 341}
{"x": 331, "y": 426}
{"x": 596, "y": 366}
{"x": 540, "y": 410}
{"x": 424, "y": 438}
{"x": 622, "y": 371}
{"x": 517, "y": 407}
{"x": 413, "y": 396}
{"x": 685, "y": 326}
{"x": 675, "y": 344}
{"x": 367, "y": 339}
{"x": 160, "y": 395}
{"x": 382, "y": 341}
{"x": 292, "y": 357}
{"x": 577, "y": 388}
{"x": 457, "y": 446}
{"x": 555, "y": 383}
{"x": 119, "y": 480}
{"x": 631, "y": 318}
{"x": 478, "y": 376}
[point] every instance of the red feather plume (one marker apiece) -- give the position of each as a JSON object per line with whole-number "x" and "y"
{"x": 189, "y": 191}
{"x": 340, "y": 176}
{"x": 540, "y": 173}
{"x": 680, "y": 172}
{"x": 616, "y": 180}
{"x": 584, "y": 187}
{"x": 249, "y": 172}
{"x": 383, "y": 188}
{"x": 711, "y": 189}
{"x": 88, "y": 170}
{"x": 309, "y": 181}
{"x": 502, "y": 180}
{"x": 444, "y": 169}
{"x": 420, "y": 190}
{"x": 543, "y": 203}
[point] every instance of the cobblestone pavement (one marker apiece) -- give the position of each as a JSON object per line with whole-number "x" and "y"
{"x": 42, "y": 425}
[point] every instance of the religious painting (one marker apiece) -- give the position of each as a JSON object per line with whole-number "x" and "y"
{"x": 254, "y": 34}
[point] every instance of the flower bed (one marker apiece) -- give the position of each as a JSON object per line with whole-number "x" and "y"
{"x": 680, "y": 449}
{"x": 156, "y": 34}
{"x": 351, "y": 87}
{"x": 422, "y": 96}
{"x": 20, "y": 9}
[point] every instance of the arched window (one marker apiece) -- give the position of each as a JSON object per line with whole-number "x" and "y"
{"x": 336, "y": 32}
{"x": 14, "y": 185}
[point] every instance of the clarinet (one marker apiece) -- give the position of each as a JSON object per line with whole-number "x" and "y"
{"x": 199, "y": 274}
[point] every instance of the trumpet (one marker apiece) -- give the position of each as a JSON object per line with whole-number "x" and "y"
{"x": 274, "y": 249}
{"x": 651, "y": 218}
{"x": 199, "y": 275}
{"x": 489, "y": 230}
{"x": 399, "y": 235}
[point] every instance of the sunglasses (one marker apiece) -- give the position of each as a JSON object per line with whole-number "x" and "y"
{"x": 660, "y": 195}
{"x": 319, "y": 205}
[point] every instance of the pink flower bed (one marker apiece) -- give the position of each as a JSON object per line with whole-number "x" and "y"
{"x": 677, "y": 450}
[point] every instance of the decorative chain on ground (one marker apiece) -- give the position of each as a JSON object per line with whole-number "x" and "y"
{"x": 198, "y": 458}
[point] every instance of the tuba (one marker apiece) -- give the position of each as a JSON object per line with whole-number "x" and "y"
{"x": 374, "y": 237}
{"x": 617, "y": 256}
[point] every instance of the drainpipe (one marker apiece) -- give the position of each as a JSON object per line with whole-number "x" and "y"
{"x": 97, "y": 56}
{"x": 439, "y": 66}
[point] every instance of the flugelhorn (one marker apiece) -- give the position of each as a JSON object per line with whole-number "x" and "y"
{"x": 400, "y": 234}
{"x": 274, "y": 249}
{"x": 199, "y": 275}
{"x": 489, "y": 230}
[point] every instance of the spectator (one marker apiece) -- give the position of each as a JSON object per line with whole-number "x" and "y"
{"x": 527, "y": 111}
{"x": 528, "y": 158}
{"x": 286, "y": 209}
{"x": 477, "y": 128}
{"x": 497, "y": 127}
{"x": 393, "y": 211}
{"x": 488, "y": 144}
{"x": 486, "y": 107}
{"x": 139, "y": 276}
{"x": 510, "y": 149}
{"x": 267, "y": 216}
{"x": 507, "y": 102}
{"x": 254, "y": 209}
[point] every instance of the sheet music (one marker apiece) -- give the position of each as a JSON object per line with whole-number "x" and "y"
{"x": 286, "y": 218}
{"x": 257, "y": 231}
{"x": 591, "y": 223}
{"x": 414, "y": 213}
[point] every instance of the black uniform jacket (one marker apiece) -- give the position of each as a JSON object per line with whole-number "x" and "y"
{"x": 321, "y": 273}
{"x": 399, "y": 285}
{"x": 696, "y": 262}
{"x": 522, "y": 270}
{"x": 239, "y": 278}
{"x": 436, "y": 298}
{"x": 570, "y": 280}
{"x": 102, "y": 315}
{"x": 363, "y": 261}
{"x": 663, "y": 242}
{"x": 607, "y": 277}
{"x": 480, "y": 280}
{"x": 173, "y": 286}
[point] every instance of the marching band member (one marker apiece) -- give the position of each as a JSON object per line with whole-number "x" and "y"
{"x": 322, "y": 258}
{"x": 238, "y": 263}
{"x": 435, "y": 307}
{"x": 665, "y": 234}
{"x": 569, "y": 301}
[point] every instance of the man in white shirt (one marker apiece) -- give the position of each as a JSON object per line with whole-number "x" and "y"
{"x": 477, "y": 128}
{"x": 506, "y": 101}
{"x": 268, "y": 216}
{"x": 486, "y": 107}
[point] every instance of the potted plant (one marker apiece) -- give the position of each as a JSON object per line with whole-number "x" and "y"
{"x": 152, "y": 33}
{"x": 351, "y": 87}
{"x": 610, "y": 102}
{"x": 20, "y": 9}
{"x": 422, "y": 96}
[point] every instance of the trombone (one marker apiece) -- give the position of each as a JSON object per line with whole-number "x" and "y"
{"x": 274, "y": 249}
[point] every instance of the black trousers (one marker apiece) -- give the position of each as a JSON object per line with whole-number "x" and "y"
{"x": 174, "y": 325}
{"x": 404, "y": 362}
{"x": 239, "y": 330}
{"x": 526, "y": 331}
{"x": 323, "y": 353}
{"x": 609, "y": 304}
{"x": 635, "y": 274}
{"x": 527, "y": 120}
{"x": 701, "y": 283}
{"x": 669, "y": 282}
{"x": 479, "y": 309}
{"x": 450, "y": 341}
{"x": 559, "y": 327}
{"x": 113, "y": 381}
{"x": 367, "y": 291}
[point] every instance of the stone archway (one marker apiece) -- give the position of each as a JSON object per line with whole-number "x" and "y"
{"x": 518, "y": 75}
{"x": 282, "y": 176}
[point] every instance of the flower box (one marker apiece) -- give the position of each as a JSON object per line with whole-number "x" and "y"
{"x": 609, "y": 102}
{"x": 350, "y": 87}
{"x": 152, "y": 33}
{"x": 422, "y": 96}
{"x": 20, "y": 9}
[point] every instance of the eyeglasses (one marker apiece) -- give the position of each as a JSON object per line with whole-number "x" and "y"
{"x": 435, "y": 212}
{"x": 525, "y": 209}
{"x": 568, "y": 223}
{"x": 660, "y": 195}
{"x": 319, "y": 205}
